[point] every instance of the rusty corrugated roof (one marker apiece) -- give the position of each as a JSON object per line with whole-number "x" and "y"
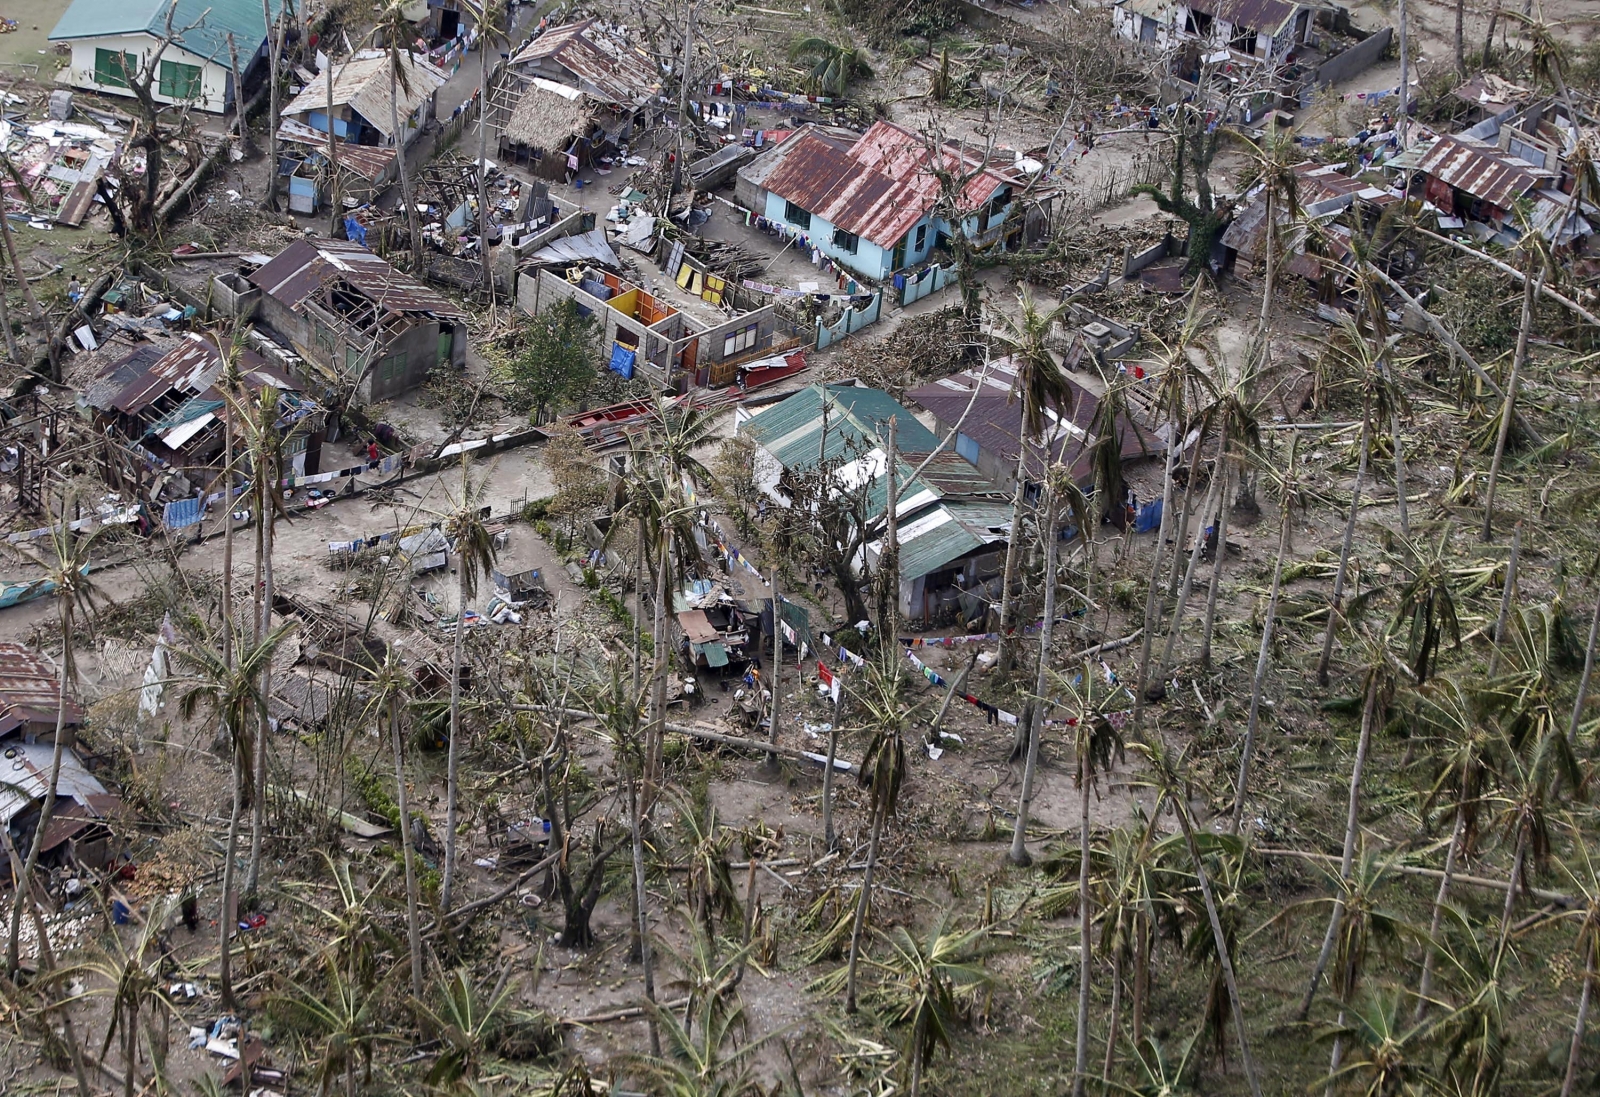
{"x": 880, "y": 186}
{"x": 1260, "y": 15}
{"x": 191, "y": 367}
{"x": 604, "y": 65}
{"x": 30, "y": 691}
{"x": 1482, "y": 170}
{"x": 300, "y": 270}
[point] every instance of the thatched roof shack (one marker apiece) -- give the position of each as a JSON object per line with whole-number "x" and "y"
{"x": 549, "y": 121}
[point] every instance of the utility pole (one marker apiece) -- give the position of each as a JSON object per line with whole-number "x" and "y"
{"x": 1402, "y": 127}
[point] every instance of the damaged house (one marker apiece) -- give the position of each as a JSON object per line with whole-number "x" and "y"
{"x": 1331, "y": 202}
{"x": 645, "y": 333}
{"x": 1310, "y": 45}
{"x": 364, "y": 110}
{"x": 31, "y": 705}
{"x": 952, "y": 519}
{"x": 167, "y": 400}
{"x": 1475, "y": 180}
{"x": 617, "y": 86}
{"x": 873, "y": 204}
{"x": 551, "y": 130}
{"x": 366, "y": 327}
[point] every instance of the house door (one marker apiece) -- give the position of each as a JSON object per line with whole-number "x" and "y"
{"x": 1147, "y": 29}
{"x": 898, "y": 259}
{"x": 449, "y": 23}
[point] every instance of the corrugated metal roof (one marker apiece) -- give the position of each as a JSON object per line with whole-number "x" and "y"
{"x": 25, "y": 778}
{"x": 363, "y": 83}
{"x": 30, "y": 691}
{"x": 947, "y": 533}
{"x": 995, "y": 419}
{"x": 190, "y": 367}
{"x": 603, "y": 64}
{"x": 215, "y": 18}
{"x": 1482, "y": 170}
{"x": 585, "y": 247}
{"x": 1260, "y": 15}
{"x": 367, "y": 161}
{"x": 857, "y": 423}
{"x": 301, "y": 270}
{"x": 879, "y": 186}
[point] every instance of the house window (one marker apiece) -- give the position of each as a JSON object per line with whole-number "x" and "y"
{"x": 739, "y": 340}
{"x": 180, "y": 81}
{"x": 393, "y": 368}
{"x": 1243, "y": 40}
{"x": 1198, "y": 24}
{"x": 847, "y": 242}
{"x": 113, "y": 68}
{"x": 796, "y": 216}
{"x": 922, "y": 238}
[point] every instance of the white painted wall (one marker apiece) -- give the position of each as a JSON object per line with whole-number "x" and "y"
{"x": 214, "y": 75}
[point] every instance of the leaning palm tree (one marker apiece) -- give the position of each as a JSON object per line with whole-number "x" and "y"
{"x": 833, "y": 64}
{"x": 228, "y": 690}
{"x": 475, "y": 553}
{"x": 1587, "y": 945}
{"x": 394, "y": 33}
{"x": 1538, "y": 263}
{"x": 1389, "y": 1056}
{"x": 66, "y": 564}
{"x": 883, "y": 699}
{"x": 1028, "y": 339}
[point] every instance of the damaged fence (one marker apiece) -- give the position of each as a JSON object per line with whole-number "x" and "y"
{"x": 853, "y": 320}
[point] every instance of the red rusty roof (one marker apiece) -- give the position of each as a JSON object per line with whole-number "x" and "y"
{"x": 605, "y": 66}
{"x": 30, "y": 691}
{"x": 1482, "y": 170}
{"x": 192, "y": 367}
{"x": 880, "y": 186}
{"x": 300, "y": 270}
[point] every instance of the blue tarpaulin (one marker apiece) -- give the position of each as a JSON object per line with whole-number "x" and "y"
{"x": 622, "y": 360}
{"x": 355, "y": 231}
{"x": 1148, "y": 518}
{"x": 181, "y": 513}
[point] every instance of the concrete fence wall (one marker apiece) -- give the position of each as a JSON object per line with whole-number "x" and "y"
{"x": 937, "y": 278}
{"x": 1357, "y": 58}
{"x": 853, "y": 320}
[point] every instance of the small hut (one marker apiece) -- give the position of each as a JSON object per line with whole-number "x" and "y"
{"x": 549, "y": 130}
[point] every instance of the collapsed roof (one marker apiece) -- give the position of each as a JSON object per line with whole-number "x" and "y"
{"x": 363, "y": 83}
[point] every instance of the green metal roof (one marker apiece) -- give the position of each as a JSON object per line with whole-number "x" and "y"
{"x": 948, "y": 532}
{"x": 857, "y": 423}
{"x": 209, "y": 22}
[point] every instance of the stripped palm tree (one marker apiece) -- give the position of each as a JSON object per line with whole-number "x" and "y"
{"x": 66, "y": 563}
{"x": 228, "y": 690}
{"x": 883, "y": 697}
{"x": 1029, "y": 340}
{"x": 493, "y": 27}
{"x": 475, "y": 552}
